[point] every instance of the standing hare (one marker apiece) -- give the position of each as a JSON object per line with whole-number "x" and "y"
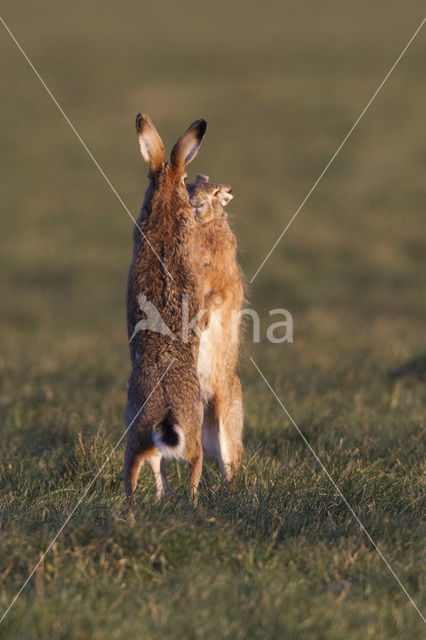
{"x": 164, "y": 410}
{"x": 223, "y": 298}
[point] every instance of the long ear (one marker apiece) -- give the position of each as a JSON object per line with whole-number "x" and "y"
{"x": 187, "y": 146}
{"x": 201, "y": 178}
{"x": 152, "y": 148}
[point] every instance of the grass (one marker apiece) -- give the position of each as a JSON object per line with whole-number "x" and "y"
{"x": 278, "y": 555}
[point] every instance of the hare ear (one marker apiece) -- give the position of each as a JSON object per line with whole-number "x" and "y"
{"x": 187, "y": 146}
{"x": 201, "y": 178}
{"x": 152, "y": 148}
{"x": 224, "y": 195}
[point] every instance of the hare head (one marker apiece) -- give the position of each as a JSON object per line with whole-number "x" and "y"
{"x": 168, "y": 177}
{"x": 207, "y": 199}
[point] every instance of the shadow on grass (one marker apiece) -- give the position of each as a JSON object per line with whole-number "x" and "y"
{"x": 413, "y": 368}
{"x": 286, "y": 442}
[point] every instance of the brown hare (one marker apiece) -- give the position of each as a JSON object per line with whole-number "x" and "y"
{"x": 164, "y": 409}
{"x": 223, "y": 298}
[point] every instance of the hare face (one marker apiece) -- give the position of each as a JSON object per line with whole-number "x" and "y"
{"x": 207, "y": 199}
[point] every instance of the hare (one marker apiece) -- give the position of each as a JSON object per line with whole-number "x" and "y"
{"x": 218, "y": 351}
{"x": 164, "y": 410}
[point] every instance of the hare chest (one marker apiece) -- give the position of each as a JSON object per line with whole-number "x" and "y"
{"x": 208, "y": 356}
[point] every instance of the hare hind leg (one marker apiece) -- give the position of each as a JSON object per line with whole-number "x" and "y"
{"x": 157, "y": 465}
{"x": 230, "y": 444}
{"x": 195, "y": 470}
{"x": 132, "y": 465}
{"x": 193, "y": 451}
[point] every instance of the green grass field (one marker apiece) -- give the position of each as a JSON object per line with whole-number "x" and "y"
{"x": 279, "y": 555}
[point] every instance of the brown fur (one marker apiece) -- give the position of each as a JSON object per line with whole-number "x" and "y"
{"x": 168, "y": 223}
{"x": 223, "y": 298}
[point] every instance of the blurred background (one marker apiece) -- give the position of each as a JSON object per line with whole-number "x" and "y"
{"x": 280, "y": 84}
